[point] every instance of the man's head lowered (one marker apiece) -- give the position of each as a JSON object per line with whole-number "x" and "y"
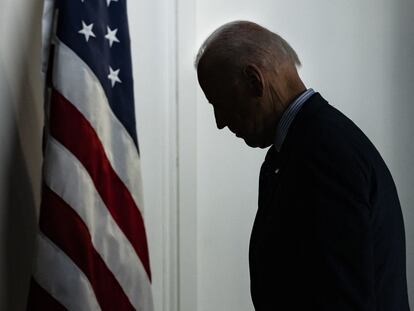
{"x": 249, "y": 75}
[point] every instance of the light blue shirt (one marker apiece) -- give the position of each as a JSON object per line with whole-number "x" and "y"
{"x": 288, "y": 117}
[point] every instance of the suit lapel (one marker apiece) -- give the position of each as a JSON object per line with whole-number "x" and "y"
{"x": 273, "y": 166}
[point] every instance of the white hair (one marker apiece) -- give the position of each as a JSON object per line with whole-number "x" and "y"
{"x": 242, "y": 41}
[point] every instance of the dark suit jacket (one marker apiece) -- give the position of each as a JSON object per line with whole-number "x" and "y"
{"x": 329, "y": 232}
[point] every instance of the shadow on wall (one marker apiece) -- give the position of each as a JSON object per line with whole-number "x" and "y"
{"x": 21, "y": 156}
{"x": 20, "y": 227}
{"x": 402, "y": 107}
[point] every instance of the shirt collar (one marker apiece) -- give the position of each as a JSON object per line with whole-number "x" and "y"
{"x": 288, "y": 117}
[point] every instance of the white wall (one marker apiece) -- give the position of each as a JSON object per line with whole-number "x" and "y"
{"x": 21, "y": 119}
{"x": 152, "y": 30}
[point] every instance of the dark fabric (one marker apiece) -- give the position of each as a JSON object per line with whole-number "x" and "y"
{"x": 329, "y": 233}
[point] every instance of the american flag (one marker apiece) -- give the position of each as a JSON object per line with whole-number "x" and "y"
{"x": 92, "y": 248}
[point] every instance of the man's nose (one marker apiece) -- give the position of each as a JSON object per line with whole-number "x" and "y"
{"x": 219, "y": 120}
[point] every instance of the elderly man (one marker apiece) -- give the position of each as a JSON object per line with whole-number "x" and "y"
{"x": 329, "y": 232}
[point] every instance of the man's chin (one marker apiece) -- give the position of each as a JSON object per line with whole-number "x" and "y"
{"x": 256, "y": 143}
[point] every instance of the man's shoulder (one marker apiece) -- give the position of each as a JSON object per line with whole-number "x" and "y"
{"x": 325, "y": 138}
{"x": 324, "y": 128}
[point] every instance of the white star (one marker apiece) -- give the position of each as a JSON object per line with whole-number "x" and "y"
{"x": 87, "y": 31}
{"x": 108, "y": 2}
{"x": 113, "y": 76}
{"x": 111, "y": 36}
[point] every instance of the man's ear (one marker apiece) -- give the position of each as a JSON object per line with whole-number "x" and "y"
{"x": 254, "y": 78}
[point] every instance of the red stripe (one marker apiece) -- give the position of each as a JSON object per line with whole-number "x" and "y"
{"x": 63, "y": 226}
{"x": 74, "y": 131}
{"x": 41, "y": 300}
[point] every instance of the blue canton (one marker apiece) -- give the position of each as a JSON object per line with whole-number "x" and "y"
{"x": 97, "y": 31}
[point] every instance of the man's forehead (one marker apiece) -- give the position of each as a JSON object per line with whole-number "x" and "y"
{"x": 216, "y": 78}
{"x": 217, "y": 88}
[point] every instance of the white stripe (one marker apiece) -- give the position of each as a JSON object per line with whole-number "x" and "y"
{"x": 67, "y": 177}
{"x": 77, "y": 83}
{"x": 62, "y": 279}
